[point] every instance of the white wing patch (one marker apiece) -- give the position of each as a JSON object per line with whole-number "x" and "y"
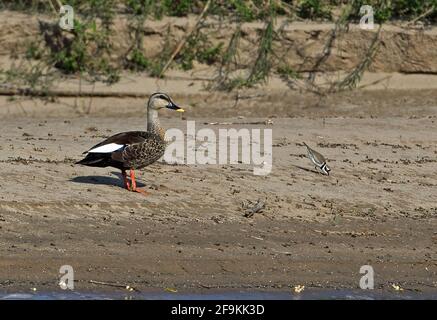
{"x": 107, "y": 148}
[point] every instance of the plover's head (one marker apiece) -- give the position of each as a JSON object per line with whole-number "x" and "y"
{"x": 326, "y": 169}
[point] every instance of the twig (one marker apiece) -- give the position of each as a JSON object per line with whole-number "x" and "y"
{"x": 182, "y": 43}
{"x": 374, "y": 82}
{"x": 288, "y": 8}
{"x": 340, "y": 26}
{"x": 423, "y": 15}
{"x": 91, "y": 99}
{"x": 353, "y": 78}
{"x": 80, "y": 90}
{"x": 238, "y": 97}
{"x": 265, "y": 122}
{"x": 262, "y": 65}
{"x": 22, "y": 108}
{"x": 228, "y": 56}
{"x": 56, "y": 5}
{"x": 127, "y": 287}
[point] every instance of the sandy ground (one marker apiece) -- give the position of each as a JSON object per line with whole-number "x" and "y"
{"x": 377, "y": 208}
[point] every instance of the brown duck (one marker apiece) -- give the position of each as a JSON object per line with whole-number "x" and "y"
{"x": 134, "y": 149}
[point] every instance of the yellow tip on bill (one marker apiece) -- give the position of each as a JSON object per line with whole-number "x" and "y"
{"x": 180, "y": 110}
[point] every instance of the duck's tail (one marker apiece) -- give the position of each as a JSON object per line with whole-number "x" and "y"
{"x": 95, "y": 160}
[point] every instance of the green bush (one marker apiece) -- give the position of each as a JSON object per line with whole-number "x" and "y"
{"x": 242, "y": 10}
{"x": 381, "y": 9}
{"x": 287, "y": 72}
{"x": 314, "y": 9}
{"x": 386, "y": 10}
{"x": 87, "y": 49}
{"x": 199, "y": 48}
{"x": 145, "y": 8}
{"x": 406, "y": 9}
{"x": 33, "y": 51}
{"x": 137, "y": 61}
{"x": 178, "y": 8}
{"x": 25, "y": 5}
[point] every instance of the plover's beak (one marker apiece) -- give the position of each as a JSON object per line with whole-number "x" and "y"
{"x": 173, "y": 106}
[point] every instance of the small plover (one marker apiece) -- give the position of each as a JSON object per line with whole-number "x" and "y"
{"x": 318, "y": 160}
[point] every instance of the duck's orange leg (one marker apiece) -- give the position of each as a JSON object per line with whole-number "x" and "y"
{"x": 125, "y": 180}
{"x": 134, "y": 184}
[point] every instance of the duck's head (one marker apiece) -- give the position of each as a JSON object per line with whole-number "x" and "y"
{"x": 161, "y": 100}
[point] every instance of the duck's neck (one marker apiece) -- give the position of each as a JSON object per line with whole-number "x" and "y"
{"x": 153, "y": 124}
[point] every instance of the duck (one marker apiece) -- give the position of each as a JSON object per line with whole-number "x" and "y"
{"x": 133, "y": 150}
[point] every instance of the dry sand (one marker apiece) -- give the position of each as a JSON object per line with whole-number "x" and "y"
{"x": 378, "y": 206}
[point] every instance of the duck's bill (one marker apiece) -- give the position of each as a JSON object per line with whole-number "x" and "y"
{"x": 175, "y": 107}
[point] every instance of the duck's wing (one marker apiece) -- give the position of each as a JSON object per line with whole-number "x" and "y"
{"x": 120, "y": 141}
{"x": 119, "y": 150}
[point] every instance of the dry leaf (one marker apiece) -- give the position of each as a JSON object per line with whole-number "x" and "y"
{"x": 396, "y": 287}
{"x": 299, "y": 288}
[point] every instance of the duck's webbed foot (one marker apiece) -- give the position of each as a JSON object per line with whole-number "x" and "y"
{"x": 134, "y": 184}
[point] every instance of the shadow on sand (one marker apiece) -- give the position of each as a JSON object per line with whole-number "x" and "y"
{"x": 306, "y": 169}
{"x": 102, "y": 180}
